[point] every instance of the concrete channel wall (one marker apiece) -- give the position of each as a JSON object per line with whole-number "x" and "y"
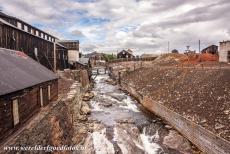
{"x": 202, "y": 138}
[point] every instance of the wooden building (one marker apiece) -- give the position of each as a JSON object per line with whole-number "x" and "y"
{"x": 18, "y": 35}
{"x": 73, "y": 50}
{"x": 61, "y": 57}
{"x": 213, "y": 49}
{"x": 125, "y": 54}
{"x": 25, "y": 87}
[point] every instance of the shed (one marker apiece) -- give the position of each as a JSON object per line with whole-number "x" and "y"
{"x": 25, "y": 87}
{"x": 125, "y": 54}
{"x": 213, "y": 49}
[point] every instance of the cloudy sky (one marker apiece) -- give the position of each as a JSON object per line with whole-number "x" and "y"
{"x": 145, "y": 26}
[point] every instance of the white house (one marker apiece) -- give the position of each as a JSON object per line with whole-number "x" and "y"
{"x": 224, "y": 51}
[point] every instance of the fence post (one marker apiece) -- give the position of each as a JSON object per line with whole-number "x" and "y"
{"x": 119, "y": 78}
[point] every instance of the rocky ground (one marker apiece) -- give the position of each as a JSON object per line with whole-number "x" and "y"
{"x": 201, "y": 95}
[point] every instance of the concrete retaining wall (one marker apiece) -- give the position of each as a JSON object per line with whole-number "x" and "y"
{"x": 202, "y": 138}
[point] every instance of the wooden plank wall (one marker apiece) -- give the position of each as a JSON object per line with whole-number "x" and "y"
{"x": 15, "y": 39}
{"x": 28, "y": 103}
{"x": 6, "y": 114}
{"x": 54, "y": 91}
{"x": 62, "y": 58}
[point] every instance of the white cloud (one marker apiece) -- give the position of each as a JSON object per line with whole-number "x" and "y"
{"x": 143, "y": 25}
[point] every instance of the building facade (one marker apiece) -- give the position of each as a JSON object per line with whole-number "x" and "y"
{"x": 224, "y": 51}
{"x": 73, "y": 49}
{"x": 213, "y": 49}
{"x": 18, "y": 35}
{"x": 125, "y": 54}
{"x": 25, "y": 87}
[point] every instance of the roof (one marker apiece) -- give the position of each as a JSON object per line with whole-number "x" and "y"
{"x": 11, "y": 17}
{"x": 75, "y": 41}
{"x": 18, "y": 71}
{"x": 83, "y": 61}
{"x": 126, "y": 52}
{"x": 210, "y": 47}
{"x": 61, "y": 45}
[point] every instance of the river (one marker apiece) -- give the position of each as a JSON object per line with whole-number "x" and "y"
{"x": 124, "y": 126}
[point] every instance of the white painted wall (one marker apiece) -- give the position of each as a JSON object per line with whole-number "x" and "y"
{"x": 223, "y": 51}
{"x": 73, "y": 55}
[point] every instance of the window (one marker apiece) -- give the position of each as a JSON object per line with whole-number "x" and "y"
{"x": 32, "y": 31}
{"x": 45, "y": 36}
{"x": 42, "y": 35}
{"x": 19, "y": 25}
{"x": 37, "y": 33}
{"x": 25, "y": 28}
{"x": 15, "y": 112}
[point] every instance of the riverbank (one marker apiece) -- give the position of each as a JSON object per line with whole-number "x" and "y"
{"x": 200, "y": 95}
{"x": 121, "y": 125}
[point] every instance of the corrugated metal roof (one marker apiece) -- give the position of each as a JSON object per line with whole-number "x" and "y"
{"x": 18, "y": 71}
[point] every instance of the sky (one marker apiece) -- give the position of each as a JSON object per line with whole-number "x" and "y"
{"x": 145, "y": 26}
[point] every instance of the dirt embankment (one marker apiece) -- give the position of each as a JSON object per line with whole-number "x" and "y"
{"x": 201, "y": 95}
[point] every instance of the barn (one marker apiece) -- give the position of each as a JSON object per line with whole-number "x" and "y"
{"x": 25, "y": 87}
{"x": 125, "y": 54}
{"x": 18, "y": 35}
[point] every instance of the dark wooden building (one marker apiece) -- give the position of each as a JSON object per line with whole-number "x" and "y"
{"x": 125, "y": 54}
{"x": 25, "y": 87}
{"x": 61, "y": 57}
{"x": 18, "y": 35}
{"x": 213, "y": 49}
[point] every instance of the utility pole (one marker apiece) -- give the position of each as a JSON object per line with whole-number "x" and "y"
{"x": 199, "y": 46}
{"x": 168, "y": 46}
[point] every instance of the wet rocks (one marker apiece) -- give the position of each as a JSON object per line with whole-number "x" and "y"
{"x": 106, "y": 104}
{"x": 118, "y": 97}
{"x": 85, "y": 108}
{"x": 88, "y": 96}
{"x": 126, "y": 121}
{"x": 176, "y": 141}
{"x": 111, "y": 81}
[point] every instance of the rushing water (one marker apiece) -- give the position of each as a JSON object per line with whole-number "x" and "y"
{"x": 125, "y": 127}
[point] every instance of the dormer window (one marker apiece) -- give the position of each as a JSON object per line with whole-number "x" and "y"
{"x": 37, "y": 33}
{"x": 19, "y": 25}
{"x": 25, "y": 28}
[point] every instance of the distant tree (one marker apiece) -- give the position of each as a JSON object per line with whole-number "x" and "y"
{"x": 174, "y": 51}
{"x": 109, "y": 57}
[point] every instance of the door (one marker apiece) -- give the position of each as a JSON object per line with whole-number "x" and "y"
{"x": 15, "y": 112}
